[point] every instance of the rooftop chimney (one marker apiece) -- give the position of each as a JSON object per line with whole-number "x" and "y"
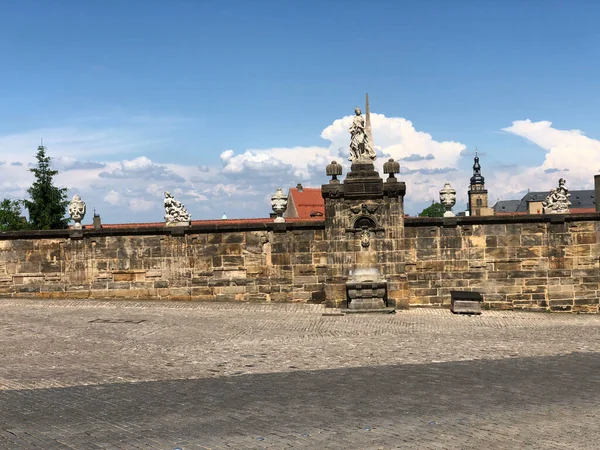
{"x": 97, "y": 223}
{"x": 299, "y": 187}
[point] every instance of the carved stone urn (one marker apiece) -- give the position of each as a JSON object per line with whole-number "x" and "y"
{"x": 279, "y": 204}
{"x": 448, "y": 199}
{"x": 77, "y": 211}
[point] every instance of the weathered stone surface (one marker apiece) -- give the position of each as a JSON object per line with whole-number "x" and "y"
{"x": 525, "y": 263}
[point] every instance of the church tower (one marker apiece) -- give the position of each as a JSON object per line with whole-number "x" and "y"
{"x": 478, "y": 195}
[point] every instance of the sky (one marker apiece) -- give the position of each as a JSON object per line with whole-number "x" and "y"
{"x": 221, "y": 102}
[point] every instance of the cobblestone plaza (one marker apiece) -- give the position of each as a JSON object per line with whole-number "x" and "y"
{"x": 128, "y": 375}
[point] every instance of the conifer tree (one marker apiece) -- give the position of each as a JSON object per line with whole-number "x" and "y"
{"x": 48, "y": 205}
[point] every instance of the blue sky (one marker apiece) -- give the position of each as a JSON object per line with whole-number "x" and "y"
{"x": 137, "y": 97}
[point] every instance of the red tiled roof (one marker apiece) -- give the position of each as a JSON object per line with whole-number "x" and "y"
{"x": 264, "y": 220}
{"x": 308, "y": 202}
{"x": 582, "y": 210}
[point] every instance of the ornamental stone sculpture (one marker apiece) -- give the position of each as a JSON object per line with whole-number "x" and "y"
{"x": 279, "y": 204}
{"x": 448, "y": 199}
{"x": 334, "y": 170}
{"x": 391, "y": 168}
{"x": 558, "y": 201}
{"x": 365, "y": 238}
{"x": 361, "y": 148}
{"x": 175, "y": 212}
{"x": 77, "y": 211}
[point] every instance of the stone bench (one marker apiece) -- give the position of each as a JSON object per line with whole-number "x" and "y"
{"x": 465, "y": 302}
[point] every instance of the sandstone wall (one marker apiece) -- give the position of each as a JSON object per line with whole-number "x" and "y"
{"x": 523, "y": 262}
{"x": 255, "y": 262}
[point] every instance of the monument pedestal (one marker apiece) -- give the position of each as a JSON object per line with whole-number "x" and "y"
{"x": 364, "y": 227}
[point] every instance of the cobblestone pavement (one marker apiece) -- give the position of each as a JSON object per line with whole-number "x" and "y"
{"x": 126, "y": 375}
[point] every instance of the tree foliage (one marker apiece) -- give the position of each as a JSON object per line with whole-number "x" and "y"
{"x": 48, "y": 205}
{"x": 10, "y": 215}
{"x": 435, "y": 210}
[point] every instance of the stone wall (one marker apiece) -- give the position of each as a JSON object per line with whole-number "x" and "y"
{"x": 539, "y": 262}
{"x": 224, "y": 262}
{"x": 533, "y": 262}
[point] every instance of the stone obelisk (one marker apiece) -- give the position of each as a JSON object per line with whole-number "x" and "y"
{"x": 368, "y": 131}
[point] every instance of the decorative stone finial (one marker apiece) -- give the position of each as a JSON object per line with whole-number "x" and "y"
{"x": 333, "y": 170}
{"x": 77, "y": 211}
{"x": 448, "y": 199}
{"x": 391, "y": 167}
{"x": 279, "y": 204}
{"x": 558, "y": 201}
{"x": 175, "y": 212}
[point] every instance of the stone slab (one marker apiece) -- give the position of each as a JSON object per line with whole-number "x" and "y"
{"x": 466, "y": 307}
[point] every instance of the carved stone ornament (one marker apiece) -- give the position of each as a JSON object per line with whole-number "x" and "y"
{"x": 448, "y": 199}
{"x": 365, "y": 208}
{"x": 365, "y": 238}
{"x": 334, "y": 170}
{"x": 175, "y": 212}
{"x": 77, "y": 211}
{"x": 335, "y": 191}
{"x": 279, "y": 204}
{"x": 558, "y": 201}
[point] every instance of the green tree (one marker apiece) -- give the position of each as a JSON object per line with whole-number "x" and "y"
{"x": 10, "y": 215}
{"x": 435, "y": 210}
{"x": 48, "y": 205}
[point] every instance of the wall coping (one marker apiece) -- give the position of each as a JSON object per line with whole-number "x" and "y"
{"x": 504, "y": 219}
{"x": 209, "y": 227}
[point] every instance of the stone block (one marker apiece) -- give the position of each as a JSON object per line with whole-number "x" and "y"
{"x": 281, "y": 297}
{"x": 509, "y": 240}
{"x": 236, "y": 261}
{"x": 123, "y": 276}
{"x": 532, "y": 240}
{"x": 496, "y": 253}
{"x": 283, "y": 259}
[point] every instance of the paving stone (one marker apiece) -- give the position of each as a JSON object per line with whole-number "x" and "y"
{"x": 162, "y": 375}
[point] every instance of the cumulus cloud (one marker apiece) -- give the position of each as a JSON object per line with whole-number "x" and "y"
{"x": 566, "y": 151}
{"x": 112, "y": 197}
{"x": 66, "y": 163}
{"x": 394, "y": 137}
{"x": 435, "y": 171}
{"x": 415, "y": 157}
{"x": 296, "y": 161}
{"x": 140, "y": 204}
{"x": 140, "y": 167}
{"x": 127, "y": 188}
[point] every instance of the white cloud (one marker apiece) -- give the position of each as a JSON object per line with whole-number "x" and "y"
{"x": 141, "y": 167}
{"x": 393, "y": 137}
{"x": 569, "y": 153}
{"x": 130, "y": 188}
{"x": 140, "y": 204}
{"x": 112, "y": 198}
